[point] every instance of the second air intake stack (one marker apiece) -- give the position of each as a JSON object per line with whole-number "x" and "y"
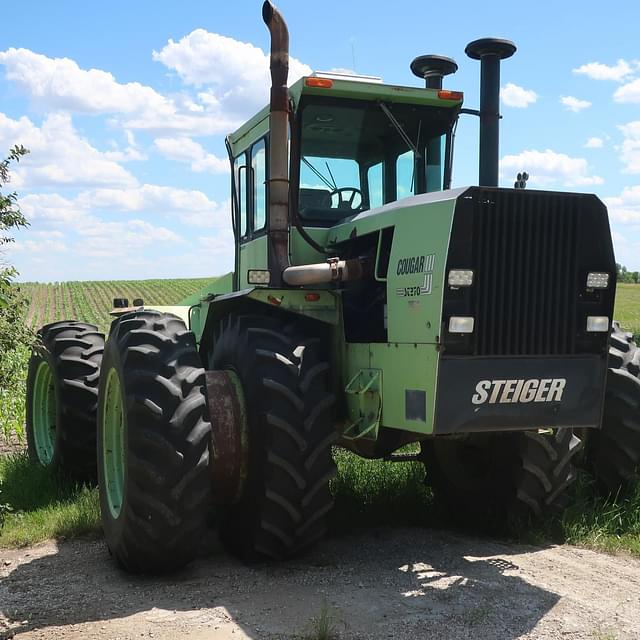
{"x": 433, "y": 69}
{"x": 490, "y": 51}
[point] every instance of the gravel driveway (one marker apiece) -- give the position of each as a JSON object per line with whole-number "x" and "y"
{"x": 385, "y": 583}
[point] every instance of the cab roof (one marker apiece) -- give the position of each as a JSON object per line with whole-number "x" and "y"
{"x": 257, "y": 126}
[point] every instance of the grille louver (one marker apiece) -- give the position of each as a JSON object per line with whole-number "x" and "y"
{"x": 525, "y": 251}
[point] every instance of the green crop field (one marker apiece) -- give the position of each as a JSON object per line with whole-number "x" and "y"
{"x": 91, "y": 301}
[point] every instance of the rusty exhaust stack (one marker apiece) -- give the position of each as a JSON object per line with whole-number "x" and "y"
{"x": 278, "y": 144}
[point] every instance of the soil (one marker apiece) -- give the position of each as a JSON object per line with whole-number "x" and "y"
{"x": 385, "y": 583}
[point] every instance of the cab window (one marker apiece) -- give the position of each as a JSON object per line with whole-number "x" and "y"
{"x": 240, "y": 183}
{"x": 259, "y": 178}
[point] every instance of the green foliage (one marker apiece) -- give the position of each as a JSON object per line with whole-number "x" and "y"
{"x": 324, "y": 625}
{"x": 610, "y": 524}
{"x": 15, "y": 337}
{"x": 627, "y": 310}
{"x": 11, "y": 218}
{"x": 13, "y": 376}
{"x": 40, "y": 505}
{"x": 627, "y": 276}
{"x": 372, "y": 492}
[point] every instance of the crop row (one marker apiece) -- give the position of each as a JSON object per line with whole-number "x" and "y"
{"x": 91, "y": 301}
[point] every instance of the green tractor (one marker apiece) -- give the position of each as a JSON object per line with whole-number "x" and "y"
{"x": 371, "y": 306}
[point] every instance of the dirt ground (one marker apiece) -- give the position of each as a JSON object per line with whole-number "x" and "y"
{"x": 387, "y": 583}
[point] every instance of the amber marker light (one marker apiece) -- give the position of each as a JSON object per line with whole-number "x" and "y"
{"x": 319, "y": 83}
{"x": 445, "y": 94}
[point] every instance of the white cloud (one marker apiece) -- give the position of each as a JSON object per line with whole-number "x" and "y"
{"x": 574, "y": 104}
{"x": 61, "y": 84}
{"x": 630, "y": 148}
{"x": 190, "y": 207}
{"x": 629, "y": 92}
{"x": 599, "y": 71}
{"x": 238, "y": 72}
{"x": 548, "y": 168}
{"x": 625, "y": 208}
{"x": 71, "y": 223}
{"x": 513, "y": 95}
{"x": 59, "y": 155}
{"x": 186, "y": 150}
{"x": 594, "y": 143}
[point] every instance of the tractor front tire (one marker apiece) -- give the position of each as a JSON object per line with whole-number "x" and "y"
{"x": 613, "y": 452}
{"x": 501, "y": 479}
{"x": 289, "y": 410}
{"x": 62, "y": 398}
{"x": 153, "y": 443}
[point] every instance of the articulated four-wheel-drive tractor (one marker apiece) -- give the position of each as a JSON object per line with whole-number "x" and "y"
{"x": 371, "y": 306}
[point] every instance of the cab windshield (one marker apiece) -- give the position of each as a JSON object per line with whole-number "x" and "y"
{"x": 359, "y": 155}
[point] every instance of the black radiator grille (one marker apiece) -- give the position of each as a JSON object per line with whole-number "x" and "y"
{"x": 525, "y": 249}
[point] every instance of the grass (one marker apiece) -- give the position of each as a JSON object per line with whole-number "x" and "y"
{"x": 12, "y": 392}
{"x": 37, "y": 505}
{"x": 605, "y": 524}
{"x": 324, "y": 625}
{"x": 627, "y": 310}
{"x": 372, "y": 492}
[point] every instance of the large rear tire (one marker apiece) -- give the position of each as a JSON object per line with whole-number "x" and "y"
{"x": 62, "y": 398}
{"x": 613, "y": 452}
{"x": 153, "y": 443}
{"x": 499, "y": 479}
{"x": 285, "y": 382}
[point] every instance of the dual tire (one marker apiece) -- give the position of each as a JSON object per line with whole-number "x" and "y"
{"x": 62, "y": 398}
{"x": 154, "y": 439}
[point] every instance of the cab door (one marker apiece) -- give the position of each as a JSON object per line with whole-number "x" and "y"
{"x": 250, "y": 169}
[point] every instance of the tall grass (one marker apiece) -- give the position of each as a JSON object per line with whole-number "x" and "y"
{"x": 610, "y": 524}
{"x": 37, "y": 504}
{"x": 13, "y": 376}
{"x": 372, "y": 492}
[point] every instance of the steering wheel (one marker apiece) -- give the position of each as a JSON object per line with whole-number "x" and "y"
{"x": 346, "y": 201}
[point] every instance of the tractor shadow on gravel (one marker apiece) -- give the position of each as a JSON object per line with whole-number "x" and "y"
{"x": 400, "y": 582}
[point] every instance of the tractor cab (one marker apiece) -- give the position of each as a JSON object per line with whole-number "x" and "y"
{"x": 353, "y": 145}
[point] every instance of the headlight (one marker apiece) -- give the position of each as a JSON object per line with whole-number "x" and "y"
{"x": 460, "y": 278}
{"x": 597, "y": 280}
{"x": 458, "y": 324}
{"x": 598, "y": 324}
{"x": 259, "y": 276}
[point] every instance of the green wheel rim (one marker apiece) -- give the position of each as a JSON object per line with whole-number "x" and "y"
{"x": 44, "y": 413}
{"x": 113, "y": 443}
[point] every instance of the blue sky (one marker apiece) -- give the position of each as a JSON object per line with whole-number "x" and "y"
{"x": 125, "y": 105}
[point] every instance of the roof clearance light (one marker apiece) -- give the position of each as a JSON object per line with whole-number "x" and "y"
{"x": 597, "y": 280}
{"x": 445, "y": 94}
{"x": 460, "y": 278}
{"x": 459, "y": 324}
{"x": 599, "y": 324}
{"x": 319, "y": 83}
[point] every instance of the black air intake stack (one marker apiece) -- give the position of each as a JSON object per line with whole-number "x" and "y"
{"x": 489, "y": 51}
{"x": 433, "y": 68}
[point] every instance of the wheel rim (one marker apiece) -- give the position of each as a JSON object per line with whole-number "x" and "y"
{"x": 113, "y": 443}
{"x": 44, "y": 413}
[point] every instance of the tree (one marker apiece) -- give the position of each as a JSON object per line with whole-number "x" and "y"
{"x": 624, "y": 275}
{"x": 11, "y": 218}
{"x": 15, "y": 337}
